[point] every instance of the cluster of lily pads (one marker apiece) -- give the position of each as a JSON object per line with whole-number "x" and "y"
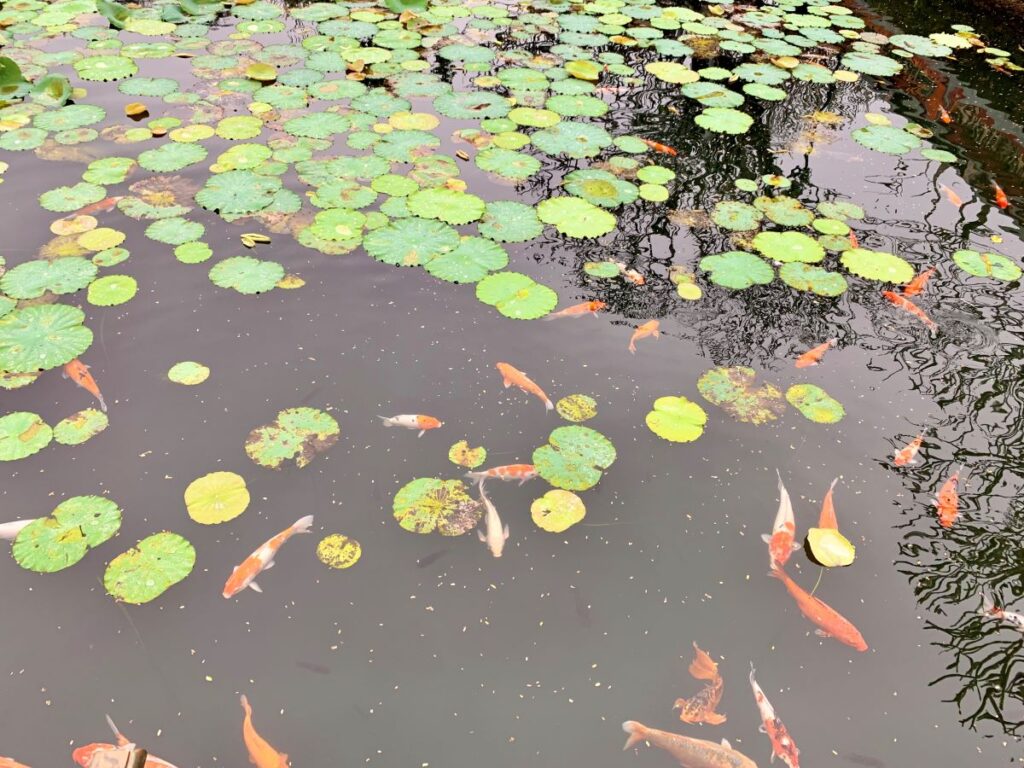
{"x": 23, "y": 434}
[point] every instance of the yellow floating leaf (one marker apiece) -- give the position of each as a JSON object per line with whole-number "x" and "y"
{"x": 557, "y": 510}
{"x": 337, "y": 551}
{"x": 830, "y": 548}
{"x": 290, "y": 282}
{"x": 216, "y": 497}
{"x": 135, "y": 109}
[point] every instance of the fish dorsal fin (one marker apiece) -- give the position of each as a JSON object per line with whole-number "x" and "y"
{"x": 480, "y": 535}
{"x": 268, "y": 566}
{"x": 234, "y": 569}
{"x": 506, "y": 530}
{"x": 255, "y": 587}
{"x": 766, "y": 538}
{"x": 726, "y": 744}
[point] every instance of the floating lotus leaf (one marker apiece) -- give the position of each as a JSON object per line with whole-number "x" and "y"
{"x": 172, "y": 157}
{"x": 584, "y": 69}
{"x": 317, "y": 125}
{"x": 574, "y": 458}
{"x": 148, "y": 86}
{"x": 557, "y": 511}
{"x": 69, "y": 117}
{"x": 516, "y": 295}
{"x": 978, "y": 264}
{"x": 871, "y": 64}
{"x": 471, "y": 260}
{"x": 264, "y": 73}
{"x": 246, "y": 274}
{"x": 64, "y": 199}
{"x": 299, "y": 433}
{"x": 446, "y": 204}
{"x": 831, "y": 227}
{"x": 464, "y": 456}
{"x": 42, "y": 337}
{"x": 784, "y": 211}
{"x": 724, "y": 120}
{"x": 149, "y": 569}
{"x": 238, "y": 192}
{"x": 677, "y": 419}
{"x": 806, "y": 277}
{"x": 411, "y": 242}
{"x": 577, "y": 408}
{"x": 939, "y": 155}
{"x": 672, "y": 72}
{"x": 53, "y": 543}
{"x": 737, "y": 216}
{"x": 887, "y": 139}
{"x": 575, "y": 217}
{"x": 737, "y": 269}
{"x": 175, "y": 231}
{"x": 767, "y": 74}
{"x": 471, "y": 105}
{"x": 600, "y": 188}
{"x": 516, "y": 166}
{"x": 765, "y": 92}
{"x": 429, "y": 504}
{"x": 840, "y": 209}
{"x": 216, "y": 498}
{"x": 81, "y": 426}
{"x": 712, "y": 95}
{"x": 22, "y": 434}
{"x": 920, "y": 46}
{"x": 573, "y": 139}
{"x": 11, "y": 78}
{"x": 112, "y": 290}
{"x": 601, "y": 269}
{"x": 193, "y": 253}
{"x": 505, "y": 221}
{"x": 789, "y": 247}
{"x": 32, "y": 279}
{"x": 576, "y": 105}
{"x": 733, "y": 390}
{"x": 101, "y": 239}
{"x": 874, "y": 265}
{"x": 105, "y": 68}
{"x": 830, "y": 548}
{"x": 815, "y": 403}
{"x": 338, "y": 551}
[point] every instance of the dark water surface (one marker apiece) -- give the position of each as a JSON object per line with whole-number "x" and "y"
{"x": 432, "y": 653}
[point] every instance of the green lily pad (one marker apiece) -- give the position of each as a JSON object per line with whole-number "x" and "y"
{"x": 516, "y": 166}
{"x": 840, "y": 209}
{"x": 887, "y": 139}
{"x": 577, "y": 408}
{"x": 575, "y": 217}
{"x": 32, "y": 279}
{"x": 737, "y": 216}
{"x": 462, "y": 455}
{"x": 807, "y": 277}
{"x": 874, "y": 265}
{"x": 573, "y": 139}
{"x": 724, "y": 120}
{"x": 42, "y": 337}
{"x": 784, "y": 211}
{"x": 920, "y": 46}
{"x": 672, "y": 72}
{"x": 172, "y": 157}
{"x": 105, "y": 68}
{"x": 53, "y": 543}
{"x": 22, "y": 434}
{"x": 317, "y": 125}
{"x": 297, "y": 433}
{"x": 216, "y": 498}
{"x": 149, "y": 569}
{"x": 830, "y": 548}
{"x": 939, "y": 155}
{"x": 677, "y": 419}
{"x": 80, "y": 427}
{"x": 789, "y": 247}
{"x": 574, "y": 458}
{"x": 713, "y": 95}
{"x": 112, "y": 290}
{"x": 869, "y": 63}
{"x": 584, "y": 69}
{"x": 188, "y": 373}
{"x": 246, "y": 274}
{"x": 471, "y": 260}
{"x": 600, "y": 188}
{"x": 505, "y": 221}
{"x": 445, "y": 204}
{"x": 175, "y": 230}
{"x": 64, "y": 199}
{"x": 733, "y": 390}
{"x": 978, "y": 264}
{"x": 604, "y": 270}
{"x": 516, "y": 295}
{"x": 238, "y": 192}
{"x": 815, "y": 403}
{"x": 737, "y": 269}
{"x": 429, "y": 504}
{"x": 411, "y": 242}
{"x": 557, "y": 511}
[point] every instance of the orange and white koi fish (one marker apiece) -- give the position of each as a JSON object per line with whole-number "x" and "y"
{"x": 578, "y": 310}
{"x": 412, "y": 421}
{"x": 261, "y": 754}
{"x": 783, "y": 746}
{"x": 263, "y": 559}
{"x": 663, "y": 148}
{"x": 508, "y": 473}
{"x": 630, "y": 274}
{"x": 827, "y": 519}
{"x": 7, "y": 762}
{"x": 917, "y": 285}
{"x": 84, "y": 756}
{"x": 990, "y": 609}
{"x": 1001, "y": 199}
{"x": 78, "y": 372}
{"x": 952, "y": 196}
{"x": 103, "y": 206}
{"x": 908, "y": 454}
{"x": 944, "y": 116}
{"x": 496, "y": 533}
{"x": 690, "y": 753}
{"x": 782, "y": 541}
{"x": 513, "y": 376}
{"x": 701, "y": 708}
{"x": 9, "y": 531}
{"x": 829, "y": 621}
{"x": 650, "y": 328}
{"x": 947, "y": 502}
{"x": 853, "y": 240}
{"x": 908, "y": 306}
{"x": 813, "y": 356}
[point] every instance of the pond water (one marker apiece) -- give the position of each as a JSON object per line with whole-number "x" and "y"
{"x": 429, "y": 651}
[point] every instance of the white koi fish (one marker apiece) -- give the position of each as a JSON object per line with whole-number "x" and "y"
{"x": 412, "y": 421}
{"x": 496, "y": 532}
{"x": 10, "y": 530}
{"x": 988, "y": 608}
{"x": 781, "y": 542}
{"x": 262, "y": 559}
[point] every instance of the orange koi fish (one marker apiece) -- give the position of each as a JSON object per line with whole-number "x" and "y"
{"x": 84, "y": 756}
{"x": 908, "y": 454}
{"x": 853, "y": 240}
{"x": 1001, "y": 199}
{"x": 508, "y": 473}
{"x": 261, "y": 754}
{"x": 947, "y": 503}
{"x": 630, "y": 274}
{"x": 78, "y": 372}
{"x": 827, "y": 519}
{"x": 579, "y": 310}
{"x": 944, "y": 116}
{"x": 6, "y": 762}
{"x": 813, "y": 356}
{"x": 908, "y": 306}
{"x": 262, "y": 559}
{"x": 103, "y": 206}
{"x": 650, "y": 328}
{"x": 514, "y": 376}
{"x": 663, "y": 148}
{"x": 412, "y": 421}
{"x": 701, "y": 708}
{"x": 917, "y": 285}
{"x": 781, "y": 542}
{"x": 829, "y": 621}
{"x": 783, "y": 746}
{"x": 952, "y": 196}
{"x": 690, "y": 753}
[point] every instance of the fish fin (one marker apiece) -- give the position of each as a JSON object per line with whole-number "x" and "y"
{"x": 103, "y": 404}
{"x": 474, "y": 475}
{"x": 635, "y": 731}
{"x": 233, "y": 570}
{"x": 656, "y": 332}
{"x": 987, "y": 604}
{"x": 822, "y": 633}
{"x": 269, "y": 565}
{"x": 245, "y": 703}
{"x": 303, "y": 524}
{"x": 63, "y": 374}
{"x": 505, "y": 532}
{"x": 480, "y": 535}
{"x": 121, "y": 740}
{"x": 703, "y": 666}
{"x": 387, "y": 420}
{"x": 422, "y": 433}
{"x": 506, "y": 382}
{"x": 255, "y": 587}
{"x": 795, "y": 546}
{"x": 772, "y": 758}
{"x": 714, "y": 718}
{"x": 548, "y": 405}
{"x": 766, "y": 538}
{"x": 762, "y": 729}
{"x": 775, "y": 571}
{"x": 726, "y": 744}
{"x": 523, "y": 480}
{"x": 632, "y": 348}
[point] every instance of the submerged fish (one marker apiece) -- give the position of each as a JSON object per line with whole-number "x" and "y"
{"x": 7, "y": 762}
{"x": 261, "y": 754}
{"x": 9, "y": 531}
{"x": 813, "y": 356}
{"x": 952, "y": 196}
{"x": 650, "y": 328}
{"x": 262, "y": 559}
{"x": 990, "y": 609}
{"x": 85, "y": 756}
{"x": 782, "y": 540}
{"x": 783, "y": 746}
{"x": 947, "y": 503}
{"x": 496, "y": 533}
{"x": 513, "y": 376}
{"x": 829, "y": 621}
{"x": 508, "y": 473}
{"x": 701, "y": 708}
{"x": 578, "y": 310}
{"x": 1001, "y": 199}
{"x": 908, "y": 454}
{"x": 412, "y": 421}
{"x": 630, "y": 274}
{"x": 78, "y": 372}
{"x": 658, "y": 147}
{"x": 103, "y": 206}
{"x": 908, "y": 306}
{"x": 944, "y": 116}
{"x": 917, "y": 285}
{"x": 690, "y": 753}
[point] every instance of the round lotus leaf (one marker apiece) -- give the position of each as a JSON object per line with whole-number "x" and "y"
{"x": 983, "y": 265}
{"x": 471, "y": 260}
{"x": 789, "y": 247}
{"x": 153, "y": 566}
{"x": 784, "y": 211}
{"x": 42, "y": 337}
{"x": 677, "y": 419}
{"x": 583, "y": 69}
{"x": 712, "y": 95}
{"x": 471, "y": 105}
{"x": 557, "y": 511}
{"x": 574, "y": 458}
{"x": 737, "y": 269}
{"x": 445, "y": 204}
{"x": 577, "y": 408}
{"x": 53, "y": 543}
{"x": 575, "y": 217}
{"x": 672, "y": 72}
{"x": 831, "y": 227}
{"x": 733, "y": 390}
{"x": 462, "y": 455}
{"x": 188, "y": 373}
{"x": 429, "y": 504}
{"x": 101, "y": 239}
{"x": 172, "y": 157}
{"x": 600, "y": 188}
{"x": 105, "y": 68}
{"x": 887, "y": 139}
{"x": 939, "y": 155}
{"x": 32, "y": 279}
{"x": 338, "y": 551}
{"x": 737, "y": 216}
{"x": 112, "y": 290}
{"x": 22, "y": 434}
{"x": 299, "y": 433}
{"x": 724, "y": 120}
{"x": 81, "y": 426}
{"x": 765, "y": 92}
{"x": 193, "y": 253}
{"x": 601, "y": 269}
{"x": 246, "y": 274}
{"x": 874, "y": 265}
{"x": 64, "y": 199}
{"x": 516, "y": 166}
{"x": 22, "y": 139}
{"x": 505, "y": 221}
{"x": 830, "y": 548}
{"x": 868, "y": 63}
{"x": 655, "y": 174}
{"x": 516, "y": 295}
{"x": 216, "y": 498}
{"x": 815, "y": 403}
{"x": 840, "y": 209}
{"x": 576, "y": 105}
{"x": 573, "y": 139}
{"x": 411, "y": 242}
{"x": 238, "y": 192}
{"x": 807, "y": 277}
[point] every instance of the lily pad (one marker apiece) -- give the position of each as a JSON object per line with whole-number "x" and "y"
{"x": 737, "y": 216}
{"x": 815, "y": 403}
{"x": 724, "y": 120}
{"x": 246, "y": 274}
{"x": 733, "y": 390}
{"x": 338, "y": 551}
{"x": 39, "y": 338}
{"x": 31, "y": 279}
{"x": 983, "y": 265}
{"x": 887, "y": 139}
{"x": 153, "y": 566}
{"x": 875, "y": 265}
{"x": 462, "y": 455}
{"x": 64, "y": 199}
{"x": 80, "y": 427}
{"x": 505, "y": 221}
{"x": 411, "y": 242}
{"x": 471, "y": 260}
{"x": 53, "y": 543}
{"x": 575, "y": 217}
{"x": 516, "y": 295}
{"x": 429, "y": 504}
{"x": 737, "y": 269}
{"x": 789, "y": 247}
{"x": 808, "y": 277}
{"x": 188, "y": 373}
{"x": 677, "y": 419}
{"x": 216, "y": 498}
{"x": 445, "y": 204}
{"x": 577, "y": 408}
{"x": 574, "y": 458}
{"x": 112, "y": 290}
{"x": 22, "y": 434}
{"x": 297, "y": 433}
{"x": 869, "y": 63}
{"x": 557, "y": 511}
{"x": 238, "y": 192}
{"x": 830, "y": 548}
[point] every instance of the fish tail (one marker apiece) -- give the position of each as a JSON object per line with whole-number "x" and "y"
{"x": 103, "y": 403}
{"x": 703, "y": 666}
{"x": 476, "y": 475}
{"x": 775, "y": 571}
{"x": 548, "y": 405}
{"x": 988, "y": 606}
{"x": 753, "y": 680}
{"x": 386, "y": 420}
{"x": 120, "y": 736}
{"x": 303, "y": 524}
{"x": 636, "y": 731}
{"x": 245, "y": 705}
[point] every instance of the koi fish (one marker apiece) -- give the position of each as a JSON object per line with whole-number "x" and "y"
{"x": 813, "y": 356}
{"x": 989, "y": 608}
{"x": 412, "y": 421}
{"x": 947, "y": 503}
{"x": 10, "y": 531}
{"x": 853, "y": 240}
{"x": 827, "y": 519}
{"x": 6, "y": 762}
{"x": 908, "y": 454}
{"x": 944, "y": 116}
{"x": 783, "y": 746}
{"x": 650, "y": 328}
{"x": 85, "y": 756}
{"x": 496, "y": 534}
{"x": 690, "y": 753}
{"x": 829, "y": 621}
{"x": 630, "y": 274}
{"x": 908, "y": 306}
{"x": 952, "y": 196}
{"x": 781, "y": 542}
{"x": 663, "y": 148}
{"x": 103, "y": 206}
{"x": 917, "y": 285}
{"x": 1001, "y": 199}
{"x": 262, "y": 559}
{"x": 509, "y": 472}
{"x": 578, "y": 310}
{"x": 78, "y": 372}
{"x": 261, "y": 754}
{"x": 514, "y": 376}
{"x": 701, "y": 708}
